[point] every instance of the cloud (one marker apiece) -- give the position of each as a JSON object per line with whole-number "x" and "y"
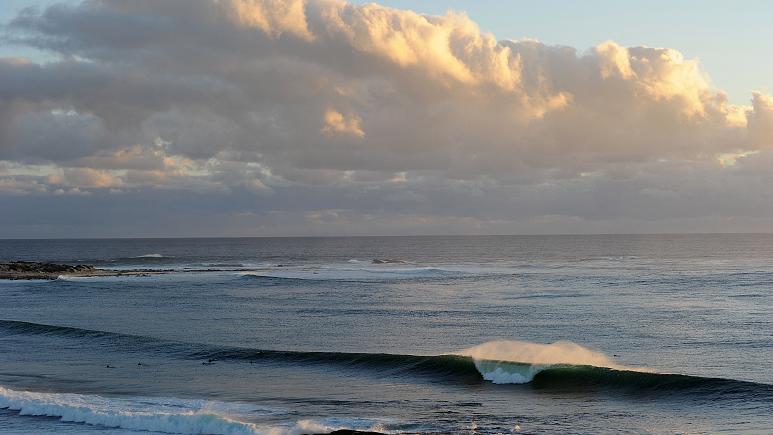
{"x": 377, "y": 106}
{"x": 87, "y": 177}
{"x": 761, "y": 121}
{"x": 337, "y": 123}
{"x": 272, "y": 16}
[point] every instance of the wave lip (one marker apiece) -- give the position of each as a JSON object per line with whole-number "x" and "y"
{"x": 151, "y": 256}
{"x": 518, "y": 362}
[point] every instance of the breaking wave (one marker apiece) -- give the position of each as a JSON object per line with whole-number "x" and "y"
{"x": 561, "y": 365}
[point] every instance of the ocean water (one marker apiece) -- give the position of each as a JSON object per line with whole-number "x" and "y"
{"x": 553, "y": 334}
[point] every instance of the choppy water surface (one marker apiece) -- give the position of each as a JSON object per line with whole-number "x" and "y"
{"x": 554, "y": 334}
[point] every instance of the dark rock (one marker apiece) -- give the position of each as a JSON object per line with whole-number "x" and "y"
{"x": 37, "y": 270}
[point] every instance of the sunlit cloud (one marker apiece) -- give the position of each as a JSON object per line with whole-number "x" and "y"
{"x": 285, "y": 99}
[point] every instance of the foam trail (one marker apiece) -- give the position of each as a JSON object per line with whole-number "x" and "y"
{"x": 145, "y": 414}
{"x": 150, "y": 256}
{"x": 169, "y": 415}
{"x": 517, "y": 362}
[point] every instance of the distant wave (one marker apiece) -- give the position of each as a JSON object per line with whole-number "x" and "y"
{"x": 168, "y": 415}
{"x": 72, "y": 278}
{"x": 352, "y": 270}
{"x": 388, "y": 261}
{"x": 379, "y": 261}
{"x": 215, "y": 265}
{"x": 354, "y": 274}
{"x": 561, "y": 365}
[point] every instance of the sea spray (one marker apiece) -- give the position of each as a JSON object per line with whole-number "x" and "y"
{"x": 517, "y": 362}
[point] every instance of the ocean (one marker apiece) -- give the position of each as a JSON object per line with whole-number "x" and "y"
{"x": 493, "y": 334}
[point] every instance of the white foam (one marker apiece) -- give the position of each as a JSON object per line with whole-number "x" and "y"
{"x": 150, "y": 256}
{"x": 147, "y": 414}
{"x": 171, "y": 415}
{"x": 503, "y": 372}
{"x": 74, "y": 278}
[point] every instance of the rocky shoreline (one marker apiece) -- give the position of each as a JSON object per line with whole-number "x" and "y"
{"x": 19, "y": 270}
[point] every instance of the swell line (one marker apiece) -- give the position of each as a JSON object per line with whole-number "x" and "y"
{"x": 448, "y": 368}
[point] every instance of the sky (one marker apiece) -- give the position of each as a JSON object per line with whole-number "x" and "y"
{"x": 322, "y": 117}
{"x": 729, "y": 38}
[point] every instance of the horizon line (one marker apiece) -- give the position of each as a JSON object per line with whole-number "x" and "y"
{"x": 725, "y": 233}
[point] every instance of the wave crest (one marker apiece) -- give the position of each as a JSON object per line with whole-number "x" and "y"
{"x": 352, "y": 274}
{"x": 560, "y": 352}
{"x": 518, "y": 362}
{"x": 559, "y": 365}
